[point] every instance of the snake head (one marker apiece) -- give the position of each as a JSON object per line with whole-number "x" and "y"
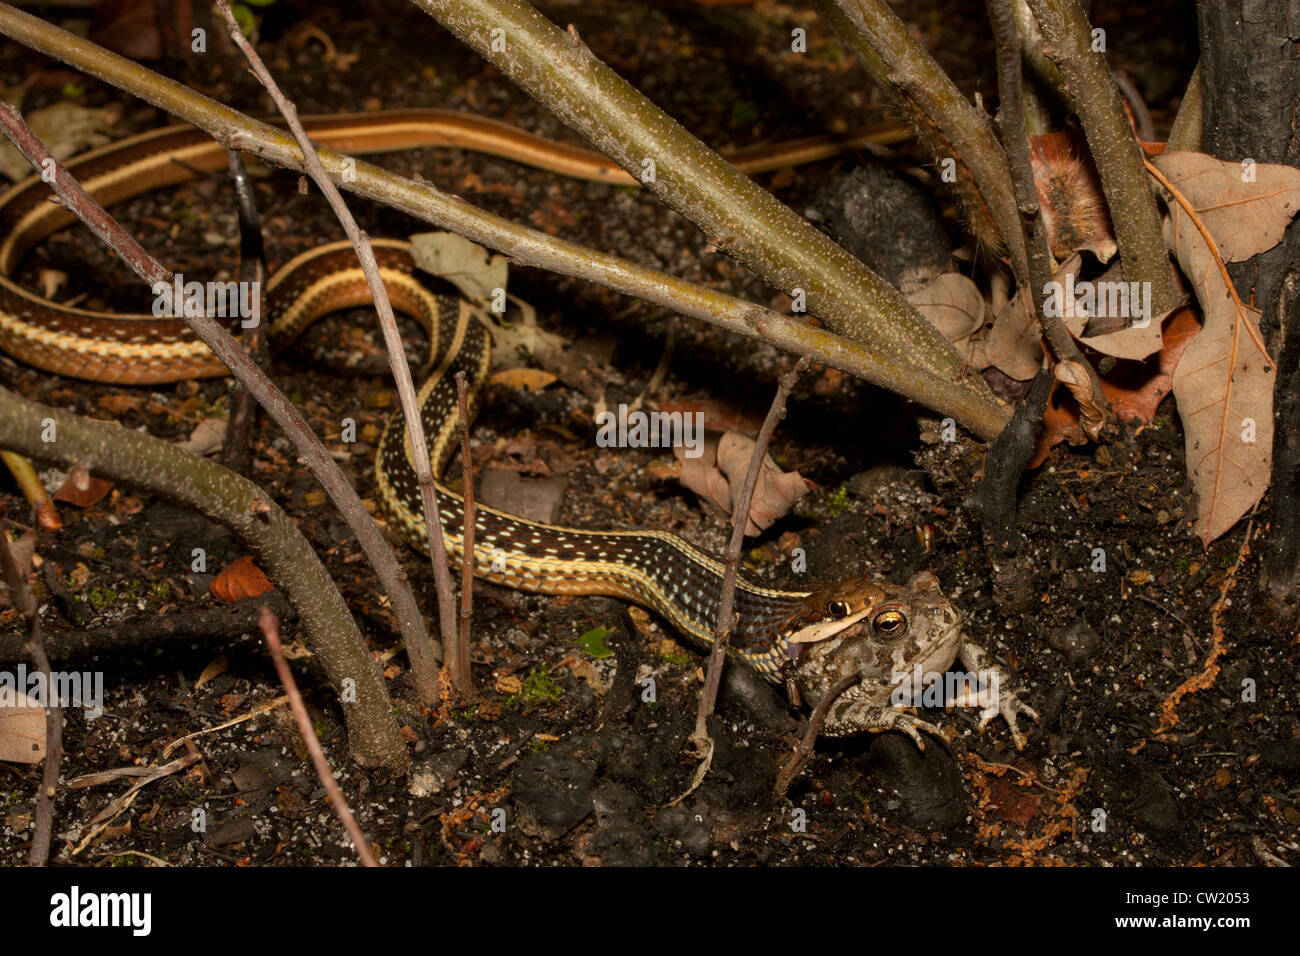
{"x": 879, "y": 631}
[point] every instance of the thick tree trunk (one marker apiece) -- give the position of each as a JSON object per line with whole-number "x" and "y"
{"x": 1251, "y": 108}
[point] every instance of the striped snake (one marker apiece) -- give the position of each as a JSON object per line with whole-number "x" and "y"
{"x": 820, "y": 630}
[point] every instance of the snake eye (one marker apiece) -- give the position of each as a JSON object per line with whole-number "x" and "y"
{"x": 890, "y": 624}
{"x": 837, "y": 609}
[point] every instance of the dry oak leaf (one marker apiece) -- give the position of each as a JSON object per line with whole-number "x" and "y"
{"x": 719, "y": 475}
{"x": 243, "y": 579}
{"x": 1109, "y": 302}
{"x": 22, "y": 726}
{"x": 1224, "y": 389}
{"x": 1244, "y": 217}
{"x": 953, "y": 304}
{"x": 1015, "y": 342}
{"x": 1075, "y": 377}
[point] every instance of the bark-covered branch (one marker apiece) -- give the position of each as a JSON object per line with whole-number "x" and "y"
{"x": 737, "y": 215}
{"x": 143, "y": 461}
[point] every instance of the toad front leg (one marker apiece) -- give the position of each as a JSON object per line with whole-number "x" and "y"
{"x": 994, "y": 696}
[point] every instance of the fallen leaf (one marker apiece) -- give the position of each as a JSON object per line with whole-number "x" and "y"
{"x": 241, "y": 580}
{"x": 529, "y": 379}
{"x": 218, "y": 666}
{"x": 22, "y": 727}
{"x": 1244, "y": 217}
{"x": 953, "y": 304}
{"x": 1075, "y": 377}
{"x": 509, "y": 684}
{"x": 477, "y": 273}
{"x": 1134, "y": 389}
{"x": 208, "y": 436}
{"x": 66, "y": 129}
{"x": 1224, "y": 390}
{"x": 83, "y": 489}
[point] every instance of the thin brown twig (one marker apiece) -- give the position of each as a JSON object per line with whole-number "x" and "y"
{"x": 270, "y": 625}
{"x": 237, "y": 450}
{"x": 726, "y": 620}
{"x": 458, "y": 659}
{"x": 794, "y": 766}
{"x": 20, "y": 595}
{"x": 422, "y": 655}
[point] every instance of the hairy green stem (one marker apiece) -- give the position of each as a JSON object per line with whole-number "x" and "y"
{"x": 1068, "y": 40}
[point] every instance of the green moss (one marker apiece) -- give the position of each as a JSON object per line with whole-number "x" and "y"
{"x": 537, "y": 688}
{"x": 837, "y": 502}
{"x": 676, "y": 659}
{"x": 101, "y": 599}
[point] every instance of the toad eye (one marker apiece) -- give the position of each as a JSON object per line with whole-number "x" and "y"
{"x": 890, "y": 624}
{"x": 837, "y": 609}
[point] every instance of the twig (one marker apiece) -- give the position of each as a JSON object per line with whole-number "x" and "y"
{"x": 252, "y": 269}
{"x": 458, "y": 659}
{"x": 270, "y": 626}
{"x": 47, "y": 514}
{"x": 281, "y": 550}
{"x": 105, "y": 817}
{"x": 1146, "y": 129}
{"x": 423, "y": 657}
{"x": 794, "y": 766}
{"x": 20, "y": 595}
{"x": 995, "y": 498}
{"x": 1011, "y": 117}
{"x": 965, "y": 400}
{"x": 221, "y": 624}
{"x": 726, "y": 620}
{"x": 746, "y": 221}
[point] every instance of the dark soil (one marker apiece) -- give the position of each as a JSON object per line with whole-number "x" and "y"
{"x": 563, "y": 759}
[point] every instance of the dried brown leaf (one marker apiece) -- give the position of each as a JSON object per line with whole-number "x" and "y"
{"x": 1245, "y": 216}
{"x": 1224, "y": 391}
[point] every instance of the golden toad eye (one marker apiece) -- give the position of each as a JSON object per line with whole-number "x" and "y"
{"x": 837, "y": 609}
{"x": 890, "y": 623}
